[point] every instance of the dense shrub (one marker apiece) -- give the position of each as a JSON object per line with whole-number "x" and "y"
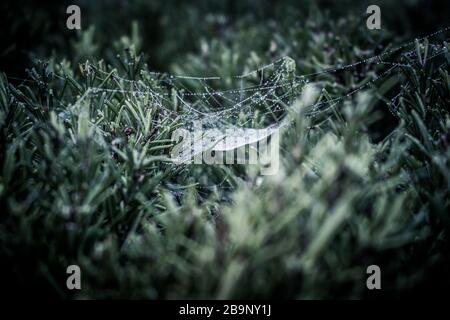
{"x": 88, "y": 181}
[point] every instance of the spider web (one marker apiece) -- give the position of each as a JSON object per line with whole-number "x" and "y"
{"x": 242, "y": 109}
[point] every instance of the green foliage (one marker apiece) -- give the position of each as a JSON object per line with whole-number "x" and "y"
{"x": 86, "y": 177}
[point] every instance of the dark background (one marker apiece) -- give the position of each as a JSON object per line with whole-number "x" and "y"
{"x": 34, "y": 29}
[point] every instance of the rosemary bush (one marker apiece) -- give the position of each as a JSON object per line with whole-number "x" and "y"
{"x": 90, "y": 182}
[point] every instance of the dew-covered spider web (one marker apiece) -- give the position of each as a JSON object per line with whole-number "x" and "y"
{"x": 254, "y": 104}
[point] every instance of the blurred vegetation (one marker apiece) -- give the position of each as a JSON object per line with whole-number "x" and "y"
{"x": 89, "y": 183}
